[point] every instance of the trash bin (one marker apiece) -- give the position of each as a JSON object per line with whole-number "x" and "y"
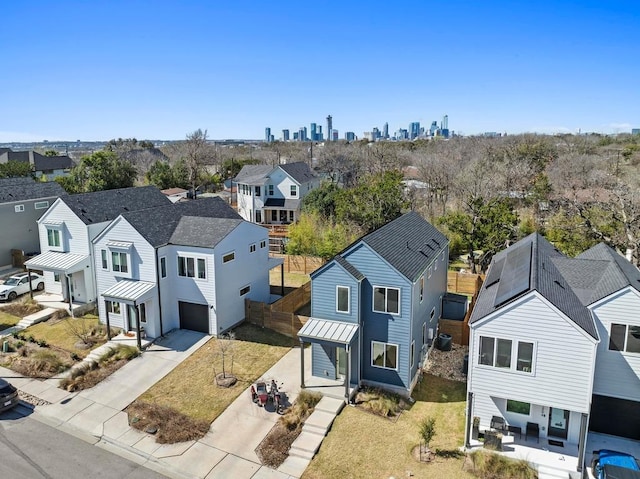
{"x": 465, "y": 364}
{"x": 444, "y": 342}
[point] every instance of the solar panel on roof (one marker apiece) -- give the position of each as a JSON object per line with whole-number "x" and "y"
{"x": 516, "y": 274}
{"x": 494, "y": 273}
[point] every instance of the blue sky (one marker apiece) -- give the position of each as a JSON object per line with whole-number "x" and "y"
{"x": 95, "y": 70}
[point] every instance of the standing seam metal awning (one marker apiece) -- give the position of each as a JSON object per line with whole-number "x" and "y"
{"x": 328, "y": 330}
{"x": 58, "y": 262}
{"x": 127, "y": 291}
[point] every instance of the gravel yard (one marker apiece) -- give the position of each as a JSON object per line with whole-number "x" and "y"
{"x": 447, "y": 364}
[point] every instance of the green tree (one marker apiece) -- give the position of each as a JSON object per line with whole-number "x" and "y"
{"x": 163, "y": 175}
{"x": 15, "y": 169}
{"x": 316, "y": 236}
{"x": 323, "y": 200}
{"x": 50, "y": 153}
{"x": 102, "y": 170}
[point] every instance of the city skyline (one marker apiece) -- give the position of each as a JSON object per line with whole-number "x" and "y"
{"x": 232, "y": 69}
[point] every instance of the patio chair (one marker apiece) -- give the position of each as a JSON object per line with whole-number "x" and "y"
{"x": 533, "y": 430}
{"x": 498, "y": 424}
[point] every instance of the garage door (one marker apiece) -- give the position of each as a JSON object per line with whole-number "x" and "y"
{"x": 618, "y": 417}
{"x": 194, "y": 316}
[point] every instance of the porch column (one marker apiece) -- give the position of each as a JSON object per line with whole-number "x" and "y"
{"x": 138, "y": 339}
{"x": 106, "y": 308}
{"x": 468, "y": 422}
{"x": 302, "y": 364}
{"x": 282, "y": 279}
{"x": 346, "y": 375}
{"x": 584, "y": 421}
{"x": 68, "y": 278}
{"x": 30, "y": 285}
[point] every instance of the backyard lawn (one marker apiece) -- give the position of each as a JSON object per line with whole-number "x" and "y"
{"x": 363, "y": 445}
{"x": 291, "y": 280}
{"x": 191, "y": 389}
{"x": 7, "y": 320}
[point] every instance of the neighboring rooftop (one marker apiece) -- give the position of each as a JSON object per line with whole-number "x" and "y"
{"x": 299, "y": 171}
{"x": 39, "y": 162}
{"x": 253, "y": 174}
{"x": 23, "y": 189}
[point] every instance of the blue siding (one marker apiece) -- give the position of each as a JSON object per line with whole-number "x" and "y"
{"x": 323, "y": 294}
{"x": 323, "y": 357}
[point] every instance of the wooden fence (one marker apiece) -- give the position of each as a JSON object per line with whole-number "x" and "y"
{"x": 299, "y": 264}
{"x": 464, "y": 283}
{"x": 280, "y": 316}
{"x": 461, "y": 283}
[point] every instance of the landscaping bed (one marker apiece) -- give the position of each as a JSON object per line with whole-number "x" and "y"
{"x": 92, "y": 373}
{"x": 447, "y": 364}
{"x": 33, "y": 359}
{"x": 169, "y": 425}
{"x": 22, "y": 308}
{"x": 380, "y": 402}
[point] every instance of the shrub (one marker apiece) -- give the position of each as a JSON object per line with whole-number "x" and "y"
{"x": 120, "y": 352}
{"x": 487, "y": 465}
{"x": 42, "y": 343}
{"x": 172, "y": 425}
{"x": 381, "y": 402}
{"x": 44, "y": 361}
{"x": 427, "y": 430}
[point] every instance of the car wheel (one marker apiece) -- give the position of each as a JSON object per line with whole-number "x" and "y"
{"x": 594, "y": 468}
{"x": 12, "y": 295}
{"x": 40, "y": 286}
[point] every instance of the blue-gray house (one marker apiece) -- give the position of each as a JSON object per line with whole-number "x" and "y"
{"x": 375, "y": 306}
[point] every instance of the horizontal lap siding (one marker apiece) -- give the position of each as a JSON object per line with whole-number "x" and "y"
{"x": 323, "y": 294}
{"x": 564, "y": 358}
{"x": 323, "y": 357}
{"x": 616, "y": 372}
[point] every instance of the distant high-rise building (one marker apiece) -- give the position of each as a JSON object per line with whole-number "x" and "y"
{"x": 285, "y": 135}
{"x": 334, "y": 135}
{"x": 350, "y": 136}
{"x": 376, "y": 134}
{"x": 385, "y": 131}
{"x": 319, "y": 133}
{"x": 635, "y": 131}
{"x": 313, "y": 132}
{"x": 329, "y": 128}
{"x": 414, "y": 129}
{"x": 445, "y": 123}
{"x": 267, "y": 134}
{"x": 434, "y": 128}
{"x": 296, "y": 135}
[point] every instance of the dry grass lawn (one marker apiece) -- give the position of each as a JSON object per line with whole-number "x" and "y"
{"x": 56, "y": 332}
{"x": 190, "y": 388}
{"x": 291, "y": 280}
{"x": 7, "y": 320}
{"x": 363, "y": 445}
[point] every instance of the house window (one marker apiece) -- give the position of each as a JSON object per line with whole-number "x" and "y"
{"x": 252, "y": 248}
{"x": 190, "y": 267}
{"x": 245, "y": 290}
{"x": 229, "y": 257}
{"x": 270, "y": 190}
{"x": 202, "y": 268}
{"x": 386, "y": 300}
{"x": 258, "y": 216}
{"x": 424, "y": 333}
{"x": 486, "y": 351}
{"x": 503, "y": 356}
{"x": 291, "y": 216}
{"x": 163, "y": 267}
{"x": 624, "y": 337}
{"x": 294, "y": 190}
{"x": 257, "y": 191}
{"x": 56, "y": 277}
{"x": 421, "y": 288}
{"x": 342, "y": 299}
{"x": 433, "y": 313}
{"x": 497, "y": 352}
{"x": 274, "y": 215}
{"x": 53, "y": 237}
{"x": 119, "y": 262}
{"x": 104, "y": 258}
{"x": 143, "y": 313}
{"x": 18, "y": 208}
{"x": 263, "y": 244}
{"x": 525, "y": 357}
{"x": 384, "y": 355}
{"x": 41, "y": 205}
{"x": 113, "y": 307}
{"x": 413, "y": 351}
{"x": 518, "y": 407}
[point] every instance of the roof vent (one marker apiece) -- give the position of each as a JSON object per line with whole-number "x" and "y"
{"x": 558, "y": 283}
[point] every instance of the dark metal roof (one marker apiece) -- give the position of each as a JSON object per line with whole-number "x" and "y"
{"x": 162, "y": 225}
{"x": 408, "y": 243}
{"x": 287, "y": 204}
{"x": 351, "y": 269}
{"x": 253, "y": 174}
{"x": 107, "y": 205}
{"x": 202, "y": 232}
{"x": 23, "y": 189}
{"x": 299, "y": 171}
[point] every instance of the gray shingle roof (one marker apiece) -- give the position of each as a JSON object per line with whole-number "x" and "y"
{"x": 202, "y": 232}
{"x": 552, "y": 275}
{"x": 253, "y": 174}
{"x": 408, "y": 243}
{"x": 107, "y": 205}
{"x": 351, "y": 269}
{"x": 289, "y": 204}
{"x": 43, "y": 163}
{"x": 299, "y": 171}
{"x": 163, "y": 225}
{"x": 23, "y": 189}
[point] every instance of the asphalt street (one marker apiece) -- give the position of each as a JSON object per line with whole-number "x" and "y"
{"x": 32, "y": 450}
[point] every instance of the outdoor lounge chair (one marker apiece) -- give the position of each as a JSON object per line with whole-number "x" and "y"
{"x": 498, "y": 424}
{"x": 533, "y": 430}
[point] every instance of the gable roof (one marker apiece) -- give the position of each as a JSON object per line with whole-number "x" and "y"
{"x": 23, "y": 189}
{"x": 349, "y": 268}
{"x": 202, "y": 232}
{"x": 253, "y": 174}
{"x": 542, "y": 266}
{"x": 299, "y": 171}
{"x": 107, "y": 205}
{"x": 39, "y": 162}
{"x": 408, "y": 243}
{"x": 178, "y": 223}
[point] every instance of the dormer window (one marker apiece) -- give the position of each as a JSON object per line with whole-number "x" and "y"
{"x": 120, "y": 257}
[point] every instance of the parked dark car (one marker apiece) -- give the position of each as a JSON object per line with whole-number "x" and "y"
{"x": 8, "y": 396}
{"x": 609, "y": 464}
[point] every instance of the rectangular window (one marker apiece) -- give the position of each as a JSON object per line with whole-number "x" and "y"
{"x": 41, "y": 205}
{"x": 424, "y": 333}
{"x": 263, "y": 244}
{"x": 182, "y": 266}
{"x": 633, "y": 339}
{"x": 294, "y": 190}
{"x": 384, "y": 355}
{"x": 291, "y": 216}
{"x": 525, "y": 357}
{"x": 486, "y": 351}
{"x": 386, "y": 300}
{"x": 625, "y": 337}
{"x": 518, "y": 407}
{"x": 257, "y": 191}
{"x": 245, "y": 290}
{"x": 56, "y": 277}
{"x": 229, "y": 257}
{"x": 104, "y": 258}
{"x": 252, "y": 248}
{"x": 202, "y": 268}
{"x": 413, "y": 352}
{"x": 421, "y": 288}
{"x": 113, "y": 307}
{"x": 53, "y": 237}
{"x": 270, "y": 190}
{"x": 119, "y": 262}
{"x": 163, "y": 267}
{"x": 503, "y": 357}
{"x": 498, "y": 352}
{"x": 18, "y": 208}
{"x": 342, "y": 299}
{"x": 189, "y": 267}
{"x": 143, "y": 313}
{"x": 258, "y": 216}
{"x": 274, "y": 215}
{"x": 433, "y": 313}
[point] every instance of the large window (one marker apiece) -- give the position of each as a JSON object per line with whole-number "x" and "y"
{"x": 53, "y": 237}
{"x": 113, "y": 307}
{"x": 498, "y": 353}
{"x": 294, "y": 190}
{"x": 119, "y": 262}
{"x": 104, "y": 259}
{"x": 624, "y": 337}
{"x": 190, "y": 267}
{"x": 384, "y": 355}
{"x": 342, "y": 299}
{"x": 503, "y": 356}
{"x": 386, "y": 300}
{"x": 518, "y": 407}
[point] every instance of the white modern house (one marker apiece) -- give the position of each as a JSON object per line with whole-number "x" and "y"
{"x": 187, "y": 265}
{"x": 273, "y": 195}
{"x": 554, "y": 349}
{"x": 66, "y": 230}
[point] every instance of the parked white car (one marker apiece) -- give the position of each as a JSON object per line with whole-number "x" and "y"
{"x": 18, "y": 284}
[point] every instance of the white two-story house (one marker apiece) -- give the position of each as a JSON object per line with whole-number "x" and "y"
{"x": 273, "y": 195}
{"x": 188, "y": 265}
{"x": 66, "y": 230}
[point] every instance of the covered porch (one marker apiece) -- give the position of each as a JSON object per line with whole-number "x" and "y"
{"x": 281, "y": 211}
{"x": 334, "y": 357}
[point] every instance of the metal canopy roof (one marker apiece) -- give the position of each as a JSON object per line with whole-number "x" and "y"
{"x": 328, "y": 330}
{"x": 58, "y": 262}
{"x": 128, "y": 291}
{"x": 275, "y": 262}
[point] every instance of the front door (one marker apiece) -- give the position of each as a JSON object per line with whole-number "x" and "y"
{"x": 131, "y": 318}
{"x": 341, "y": 362}
{"x": 558, "y": 422}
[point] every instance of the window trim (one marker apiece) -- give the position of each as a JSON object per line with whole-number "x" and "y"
{"x": 104, "y": 259}
{"x": 163, "y": 266}
{"x": 38, "y": 205}
{"x": 18, "y": 209}
{"x": 270, "y": 190}
{"x": 183, "y": 259}
{"x": 293, "y": 191}
{"x": 263, "y": 244}
{"x": 517, "y": 412}
{"x": 338, "y": 310}
{"x": 232, "y": 254}
{"x": 386, "y": 301}
{"x": 246, "y": 289}
{"x": 625, "y": 345}
{"x": 384, "y": 359}
{"x": 58, "y": 232}
{"x": 110, "y": 308}
{"x": 513, "y": 364}
{"x": 252, "y": 248}
{"x": 421, "y": 288}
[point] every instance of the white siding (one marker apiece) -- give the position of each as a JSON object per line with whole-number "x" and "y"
{"x": 245, "y": 203}
{"x": 617, "y": 373}
{"x": 282, "y": 185}
{"x": 564, "y": 357}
